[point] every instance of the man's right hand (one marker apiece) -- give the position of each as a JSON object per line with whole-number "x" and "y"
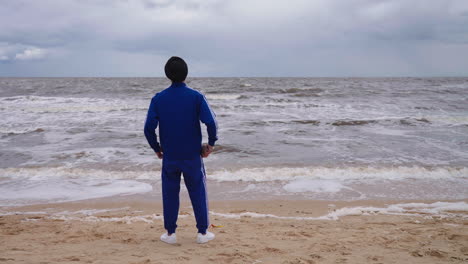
{"x": 206, "y": 150}
{"x": 159, "y": 154}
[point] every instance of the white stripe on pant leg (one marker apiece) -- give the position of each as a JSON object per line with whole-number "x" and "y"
{"x": 206, "y": 193}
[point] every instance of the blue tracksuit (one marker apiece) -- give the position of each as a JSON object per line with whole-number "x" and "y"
{"x": 178, "y": 110}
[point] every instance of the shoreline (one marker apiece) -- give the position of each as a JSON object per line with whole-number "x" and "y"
{"x": 126, "y": 230}
{"x": 18, "y": 193}
{"x": 146, "y": 201}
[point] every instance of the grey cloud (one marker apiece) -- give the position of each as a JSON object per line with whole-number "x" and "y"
{"x": 32, "y": 53}
{"x": 151, "y": 4}
{"x": 239, "y": 37}
{"x": 11, "y": 52}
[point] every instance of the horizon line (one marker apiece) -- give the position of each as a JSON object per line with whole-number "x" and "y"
{"x": 225, "y": 77}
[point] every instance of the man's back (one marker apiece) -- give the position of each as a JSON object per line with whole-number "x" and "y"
{"x": 179, "y": 110}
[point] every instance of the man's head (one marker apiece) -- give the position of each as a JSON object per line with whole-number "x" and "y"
{"x": 176, "y": 69}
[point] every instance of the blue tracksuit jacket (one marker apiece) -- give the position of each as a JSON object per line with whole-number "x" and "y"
{"x": 178, "y": 111}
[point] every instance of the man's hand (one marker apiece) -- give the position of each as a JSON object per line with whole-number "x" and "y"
{"x": 159, "y": 154}
{"x": 206, "y": 150}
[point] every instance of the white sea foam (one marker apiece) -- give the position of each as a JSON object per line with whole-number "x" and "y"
{"x": 5, "y": 213}
{"x": 426, "y": 210}
{"x": 19, "y": 130}
{"x": 263, "y": 174}
{"x": 91, "y": 216}
{"x": 92, "y": 211}
{"x": 44, "y": 104}
{"x": 349, "y": 173}
{"x": 75, "y": 173}
{"x": 124, "y": 219}
{"x": 437, "y": 209}
{"x": 14, "y": 192}
{"x": 82, "y": 212}
{"x": 309, "y": 185}
{"x": 222, "y": 96}
{"x": 451, "y": 120}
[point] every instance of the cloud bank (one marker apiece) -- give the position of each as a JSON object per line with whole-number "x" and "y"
{"x": 31, "y": 54}
{"x": 234, "y": 37}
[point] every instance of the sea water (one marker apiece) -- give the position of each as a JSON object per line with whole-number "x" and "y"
{"x": 64, "y": 139}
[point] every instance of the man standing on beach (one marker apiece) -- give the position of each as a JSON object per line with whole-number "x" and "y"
{"x": 178, "y": 110}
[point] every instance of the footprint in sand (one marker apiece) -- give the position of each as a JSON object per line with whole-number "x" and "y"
{"x": 273, "y": 250}
{"x": 435, "y": 253}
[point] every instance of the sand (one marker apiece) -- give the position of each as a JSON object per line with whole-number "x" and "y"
{"x": 129, "y": 233}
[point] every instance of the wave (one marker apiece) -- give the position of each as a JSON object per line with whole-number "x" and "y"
{"x": 303, "y": 91}
{"x": 18, "y": 131}
{"x": 345, "y": 122}
{"x": 43, "y": 173}
{"x": 259, "y": 174}
{"x": 311, "y": 122}
{"x": 44, "y": 104}
{"x": 272, "y": 122}
{"x": 223, "y": 96}
{"x": 404, "y": 121}
{"x": 226, "y": 149}
{"x": 412, "y": 121}
{"x": 352, "y": 122}
{"x": 265, "y": 174}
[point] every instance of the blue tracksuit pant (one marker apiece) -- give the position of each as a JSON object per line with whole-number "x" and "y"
{"x": 195, "y": 180}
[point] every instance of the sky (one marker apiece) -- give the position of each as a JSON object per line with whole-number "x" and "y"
{"x": 229, "y": 38}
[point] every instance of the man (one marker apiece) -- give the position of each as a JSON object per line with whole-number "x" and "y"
{"x": 178, "y": 110}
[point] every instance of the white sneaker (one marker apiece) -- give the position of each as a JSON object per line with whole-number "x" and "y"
{"x": 170, "y": 239}
{"x": 205, "y": 238}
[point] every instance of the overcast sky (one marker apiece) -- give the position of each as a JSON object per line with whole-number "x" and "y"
{"x": 234, "y": 37}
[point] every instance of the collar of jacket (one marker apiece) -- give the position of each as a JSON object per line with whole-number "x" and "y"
{"x": 178, "y": 84}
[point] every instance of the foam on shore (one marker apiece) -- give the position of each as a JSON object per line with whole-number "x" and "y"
{"x": 262, "y": 174}
{"x": 311, "y": 185}
{"x": 23, "y": 186}
{"x": 437, "y": 209}
{"x": 16, "y": 193}
{"x": 426, "y": 210}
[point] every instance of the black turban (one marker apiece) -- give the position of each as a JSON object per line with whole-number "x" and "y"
{"x": 176, "y": 69}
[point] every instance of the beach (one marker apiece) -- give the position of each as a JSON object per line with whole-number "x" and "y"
{"x": 279, "y": 231}
{"x": 308, "y": 132}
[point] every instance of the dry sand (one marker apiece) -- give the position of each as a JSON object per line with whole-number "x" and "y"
{"x": 120, "y": 236}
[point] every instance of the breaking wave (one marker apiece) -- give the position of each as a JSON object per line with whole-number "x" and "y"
{"x": 17, "y": 131}
{"x": 43, "y": 104}
{"x": 261, "y": 174}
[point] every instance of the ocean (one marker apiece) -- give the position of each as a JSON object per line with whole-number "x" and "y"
{"x": 67, "y": 139}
